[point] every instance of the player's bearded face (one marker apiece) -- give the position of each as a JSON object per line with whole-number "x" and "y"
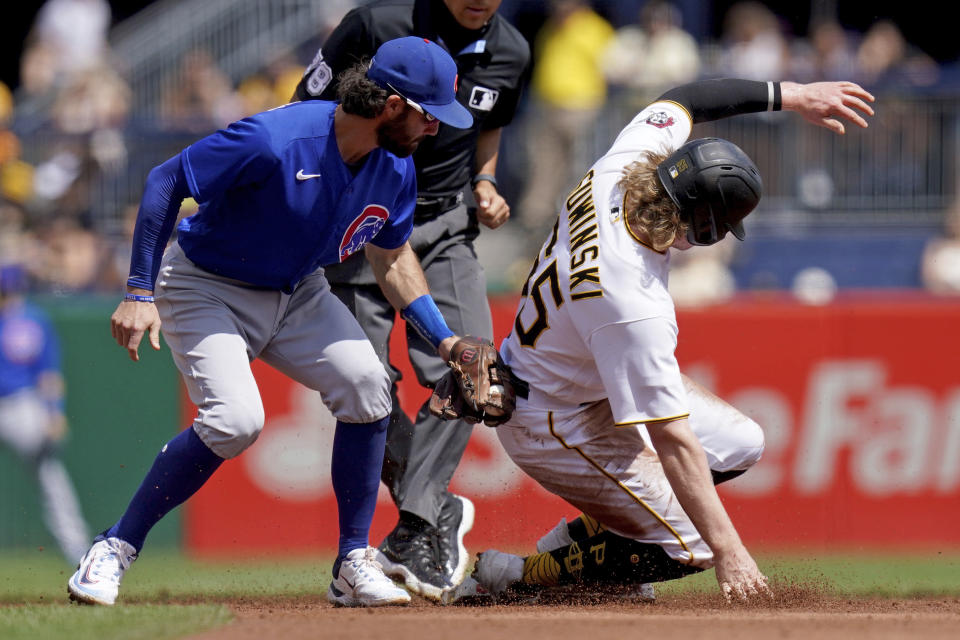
{"x": 402, "y": 134}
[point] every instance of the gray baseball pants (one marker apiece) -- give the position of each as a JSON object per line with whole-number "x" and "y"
{"x": 216, "y": 326}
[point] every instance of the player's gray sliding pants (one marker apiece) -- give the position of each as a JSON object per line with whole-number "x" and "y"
{"x": 216, "y": 326}
{"x": 420, "y": 459}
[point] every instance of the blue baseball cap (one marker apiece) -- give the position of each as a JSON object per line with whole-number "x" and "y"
{"x": 421, "y": 71}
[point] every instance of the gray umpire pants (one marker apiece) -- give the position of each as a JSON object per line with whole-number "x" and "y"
{"x": 421, "y": 456}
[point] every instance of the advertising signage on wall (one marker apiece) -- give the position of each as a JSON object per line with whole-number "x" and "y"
{"x": 859, "y": 402}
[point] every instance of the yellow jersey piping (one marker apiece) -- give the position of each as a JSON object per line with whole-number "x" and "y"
{"x": 674, "y": 102}
{"x": 652, "y": 420}
{"x": 626, "y": 223}
{"x": 634, "y": 496}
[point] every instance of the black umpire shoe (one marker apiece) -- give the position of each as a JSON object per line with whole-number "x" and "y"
{"x": 455, "y": 520}
{"x": 409, "y": 554}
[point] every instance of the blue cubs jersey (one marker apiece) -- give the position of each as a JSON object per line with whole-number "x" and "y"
{"x": 276, "y": 200}
{"x": 28, "y": 347}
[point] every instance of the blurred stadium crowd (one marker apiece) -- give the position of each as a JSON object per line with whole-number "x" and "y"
{"x": 80, "y": 132}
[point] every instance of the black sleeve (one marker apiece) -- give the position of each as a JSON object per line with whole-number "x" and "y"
{"x": 515, "y": 60}
{"x": 349, "y": 43}
{"x": 708, "y": 100}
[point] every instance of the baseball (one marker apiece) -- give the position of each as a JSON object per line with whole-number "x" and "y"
{"x": 496, "y": 394}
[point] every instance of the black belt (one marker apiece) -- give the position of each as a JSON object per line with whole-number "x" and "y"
{"x": 520, "y": 386}
{"x": 432, "y": 207}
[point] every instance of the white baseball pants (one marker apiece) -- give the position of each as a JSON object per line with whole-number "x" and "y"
{"x": 613, "y": 474}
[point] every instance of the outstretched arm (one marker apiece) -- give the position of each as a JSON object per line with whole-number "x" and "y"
{"x": 474, "y": 390}
{"x": 401, "y": 279}
{"x": 819, "y": 102}
{"x": 685, "y": 465}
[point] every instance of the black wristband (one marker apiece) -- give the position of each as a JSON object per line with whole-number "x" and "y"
{"x": 777, "y": 102}
{"x": 483, "y": 176}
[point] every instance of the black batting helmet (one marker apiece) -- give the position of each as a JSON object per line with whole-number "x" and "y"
{"x": 715, "y": 184}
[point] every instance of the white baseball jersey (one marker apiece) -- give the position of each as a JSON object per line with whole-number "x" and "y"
{"x": 596, "y": 320}
{"x": 594, "y": 337}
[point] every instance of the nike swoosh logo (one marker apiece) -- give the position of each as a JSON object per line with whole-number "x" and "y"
{"x": 306, "y": 176}
{"x": 85, "y": 578}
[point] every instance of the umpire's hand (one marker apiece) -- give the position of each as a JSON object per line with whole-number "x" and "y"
{"x": 129, "y": 322}
{"x": 492, "y": 209}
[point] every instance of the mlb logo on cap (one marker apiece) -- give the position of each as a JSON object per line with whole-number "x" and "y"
{"x": 421, "y": 71}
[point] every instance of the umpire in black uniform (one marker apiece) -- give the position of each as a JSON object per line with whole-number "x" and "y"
{"x": 425, "y": 549}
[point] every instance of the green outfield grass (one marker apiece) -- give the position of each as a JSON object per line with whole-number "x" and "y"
{"x": 166, "y": 595}
{"x": 164, "y": 576}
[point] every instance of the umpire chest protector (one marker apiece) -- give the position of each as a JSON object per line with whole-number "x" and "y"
{"x": 715, "y": 184}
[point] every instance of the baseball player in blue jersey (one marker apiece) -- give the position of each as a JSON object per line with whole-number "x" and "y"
{"x": 282, "y": 194}
{"x": 32, "y": 419}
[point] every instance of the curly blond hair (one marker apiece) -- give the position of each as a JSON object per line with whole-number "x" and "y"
{"x": 648, "y": 208}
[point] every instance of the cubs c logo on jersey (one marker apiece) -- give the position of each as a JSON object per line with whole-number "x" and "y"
{"x": 660, "y": 119}
{"x": 362, "y": 230}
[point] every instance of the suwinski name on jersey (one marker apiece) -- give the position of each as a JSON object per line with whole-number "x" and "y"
{"x": 584, "y": 250}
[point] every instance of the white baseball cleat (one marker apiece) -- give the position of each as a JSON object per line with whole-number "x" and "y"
{"x": 97, "y": 579}
{"x": 362, "y": 583}
{"x": 556, "y": 538}
{"x": 495, "y": 570}
{"x": 468, "y": 592}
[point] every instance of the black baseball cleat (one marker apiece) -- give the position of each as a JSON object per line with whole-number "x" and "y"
{"x": 409, "y": 554}
{"x": 455, "y": 520}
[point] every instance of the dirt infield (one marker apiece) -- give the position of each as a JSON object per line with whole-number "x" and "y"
{"x": 796, "y": 613}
